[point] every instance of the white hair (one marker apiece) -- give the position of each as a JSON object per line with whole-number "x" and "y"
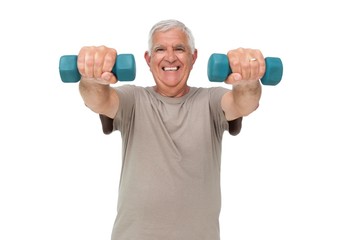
{"x": 166, "y": 25}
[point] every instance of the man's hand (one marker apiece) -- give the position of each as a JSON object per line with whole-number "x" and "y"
{"x": 247, "y": 66}
{"x": 95, "y": 64}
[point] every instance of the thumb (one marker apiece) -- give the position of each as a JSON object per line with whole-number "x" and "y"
{"x": 233, "y": 78}
{"x": 109, "y": 77}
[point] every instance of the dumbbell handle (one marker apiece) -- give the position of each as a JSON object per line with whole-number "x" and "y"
{"x": 219, "y": 69}
{"x": 124, "y": 68}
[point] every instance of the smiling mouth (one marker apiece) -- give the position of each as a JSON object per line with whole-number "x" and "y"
{"x": 169, "y": 69}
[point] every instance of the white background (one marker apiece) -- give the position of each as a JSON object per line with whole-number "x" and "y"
{"x": 292, "y": 173}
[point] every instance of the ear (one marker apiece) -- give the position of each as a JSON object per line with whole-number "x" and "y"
{"x": 194, "y": 57}
{"x": 147, "y": 58}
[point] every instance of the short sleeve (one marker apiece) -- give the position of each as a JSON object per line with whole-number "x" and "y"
{"x": 123, "y": 116}
{"x": 234, "y": 126}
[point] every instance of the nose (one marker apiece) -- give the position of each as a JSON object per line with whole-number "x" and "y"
{"x": 170, "y": 56}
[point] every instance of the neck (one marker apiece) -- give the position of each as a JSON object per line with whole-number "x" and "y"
{"x": 172, "y": 93}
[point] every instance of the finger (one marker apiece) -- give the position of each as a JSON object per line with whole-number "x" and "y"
{"x": 98, "y": 64}
{"x": 253, "y": 58}
{"x": 254, "y": 69}
{"x": 239, "y": 62}
{"x": 81, "y": 61}
{"x": 89, "y": 64}
{"x": 262, "y": 68}
{"x": 233, "y": 78}
{"x": 241, "y": 66}
{"x": 108, "y": 78}
{"x": 104, "y": 60}
{"x": 245, "y": 68}
{"x": 260, "y": 65}
{"x": 109, "y": 60}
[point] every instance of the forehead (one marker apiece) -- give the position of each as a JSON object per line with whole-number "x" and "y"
{"x": 171, "y": 36}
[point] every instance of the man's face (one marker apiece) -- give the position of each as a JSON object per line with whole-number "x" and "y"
{"x": 171, "y": 61}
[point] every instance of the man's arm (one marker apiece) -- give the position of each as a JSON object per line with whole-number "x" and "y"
{"x": 246, "y": 91}
{"x": 95, "y": 65}
{"x": 100, "y": 98}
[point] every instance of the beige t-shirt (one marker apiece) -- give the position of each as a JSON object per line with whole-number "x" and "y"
{"x": 170, "y": 179}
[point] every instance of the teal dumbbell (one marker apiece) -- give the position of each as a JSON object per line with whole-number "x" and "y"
{"x": 124, "y": 68}
{"x": 219, "y": 69}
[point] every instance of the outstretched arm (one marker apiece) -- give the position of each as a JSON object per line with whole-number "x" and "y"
{"x": 248, "y": 66}
{"x": 95, "y": 65}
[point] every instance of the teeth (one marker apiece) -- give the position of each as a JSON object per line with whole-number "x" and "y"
{"x": 170, "y": 68}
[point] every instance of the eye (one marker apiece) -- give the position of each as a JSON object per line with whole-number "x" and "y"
{"x": 159, "y": 49}
{"x": 180, "y": 49}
